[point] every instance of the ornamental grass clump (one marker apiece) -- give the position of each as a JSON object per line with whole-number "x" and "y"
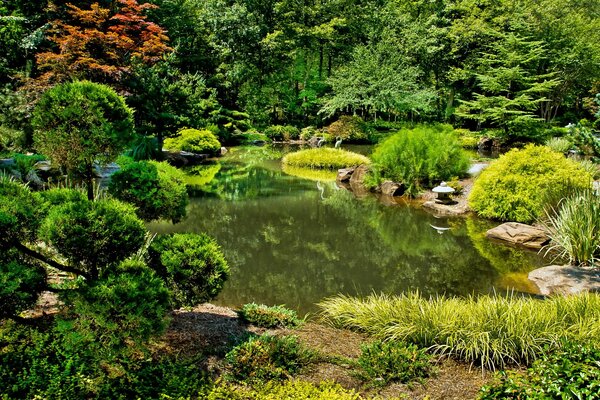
{"x": 324, "y": 158}
{"x": 492, "y": 331}
{"x": 419, "y": 158}
{"x": 516, "y": 187}
{"x": 574, "y": 228}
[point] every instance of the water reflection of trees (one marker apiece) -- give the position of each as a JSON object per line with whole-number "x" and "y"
{"x": 289, "y": 242}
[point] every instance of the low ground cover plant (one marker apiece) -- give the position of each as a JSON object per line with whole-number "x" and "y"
{"x": 419, "y": 158}
{"x": 267, "y": 357}
{"x": 290, "y": 390}
{"x": 194, "y": 141}
{"x": 324, "y": 158}
{"x": 570, "y": 372}
{"x": 269, "y": 317}
{"x": 491, "y": 331}
{"x": 381, "y": 362}
{"x": 518, "y": 185}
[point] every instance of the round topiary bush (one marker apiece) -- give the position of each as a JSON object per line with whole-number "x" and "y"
{"x": 349, "y": 128}
{"x": 282, "y": 132}
{"x": 19, "y": 210}
{"x": 518, "y": 185}
{"x": 194, "y": 141}
{"x": 324, "y": 158}
{"x": 192, "y": 265}
{"x": 419, "y": 157}
{"x": 20, "y": 283}
{"x": 156, "y": 189}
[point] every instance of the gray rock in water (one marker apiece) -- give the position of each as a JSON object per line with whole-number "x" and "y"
{"x": 565, "y": 279}
{"x": 389, "y": 188}
{"x": 358, "y": 176}
{"x": 519, "y": 234}
{"x": 7, "y": 162}
{"x": 344, "y": 174}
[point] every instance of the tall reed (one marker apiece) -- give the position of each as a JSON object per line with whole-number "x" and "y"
{"x": 492, "y": 331}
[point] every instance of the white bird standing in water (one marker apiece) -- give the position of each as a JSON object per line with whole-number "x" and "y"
{"x": 338, "y": 142}
{"x": 320, "y": 142}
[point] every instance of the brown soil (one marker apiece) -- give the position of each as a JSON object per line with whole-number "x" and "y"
{"x": 212, "y": 330}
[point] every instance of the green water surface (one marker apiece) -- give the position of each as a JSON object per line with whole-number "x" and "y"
{"x": 295, "y": 241}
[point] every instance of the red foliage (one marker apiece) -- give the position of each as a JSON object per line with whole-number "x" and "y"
{"x": 99, "y": 44}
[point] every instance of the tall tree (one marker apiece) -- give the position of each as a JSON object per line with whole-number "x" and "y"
{"x": 99, "y": 44}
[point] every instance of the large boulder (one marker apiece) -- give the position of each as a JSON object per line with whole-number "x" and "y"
{"x": 184, "y": 158}
{"x": 565, "y": 279}
{"x": 519, "y": 234}
{"x": 358, "y": 176}
{"x": 344, "y": 174}
{"x": 389, "y": 188}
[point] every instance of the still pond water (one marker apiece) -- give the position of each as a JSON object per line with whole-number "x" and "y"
{"x": 294, "y": 241}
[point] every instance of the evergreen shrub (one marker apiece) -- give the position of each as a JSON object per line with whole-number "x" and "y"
{"x": 269, "y": 317}
{"x": 349, "y": 128}
{"x": 517, "y": 186}
{"x": 282, "y": 132}
{"x": 289, "y": 390}
{"x": 194, "y": 141}
{"x": 419, "y": 157}
{"x": 192, "y": 265}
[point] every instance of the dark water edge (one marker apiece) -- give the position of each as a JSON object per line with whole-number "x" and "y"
{"x": 295, "y": 241}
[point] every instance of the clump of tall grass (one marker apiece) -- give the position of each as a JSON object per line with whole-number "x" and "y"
{"x": 574, "y": 228}
{"x": 493, "y": 331}
{"x": 324, "y": 158}
{"x": 559, "y": 144}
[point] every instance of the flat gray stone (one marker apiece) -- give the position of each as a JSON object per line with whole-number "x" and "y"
{"x": 519, "y": 234}
{"x": 389, "y": 188}
{"x": 344, "y": 174}
{"x": 565, "y": 279}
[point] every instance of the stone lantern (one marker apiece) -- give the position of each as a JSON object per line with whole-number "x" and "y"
{"x": 443, "y": 192}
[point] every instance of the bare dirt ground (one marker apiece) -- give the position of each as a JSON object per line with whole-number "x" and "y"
{"x": 209, "y": 329}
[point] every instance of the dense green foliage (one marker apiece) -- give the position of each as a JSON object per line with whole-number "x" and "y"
{"x": 94, "y": 235}
{"x": 19, "y": 209}
{"x": 289, "y": 390}
{"x": 280, "y": 132}
{"x": 349, "y": 128}
{"x": 194, "y": 141}
{"x": 80, "y": 123}
{"x": 419, "y": 157}
{"x": 156, "y": 189}
{"x": 516, "y": 186}
{"x": 192, "y": 266}
{"x": 574, "y": 227}
{"x": 324, "y": 158}
{"x": 21, "y": 281}
{"x": 269, "y": 317}
{"x": 570, "y": 372}
{"x": 383, "y": 362}
{"x": 492, "y": 331}
{"x": 266, "y": 357}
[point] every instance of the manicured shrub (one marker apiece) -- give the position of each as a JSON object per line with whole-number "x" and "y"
{"x": 570, "y": 372}
{"x": 492, "y": 331}
{"x": 20, "y": 283}
{"x": 156, "y": 189}
{"x": 266, "y": 357}
{"x": 420, "y": 157}
{"x": 516, "y": 186}
{"x": 194, "y": 141}
{"x": 574, "y": 228}
{"x": 289, "y": 390}
{"x": 325, "y": 158}
{"x": 383, "y": 362}
{"x": 468, "y": 139}
{"x": 349, "y": 128}
{"x": 281, "y": 132}
{"x": 269, "y": 317}
{"x": 19, "y": 211}
{"x": 192, "y": 265}
{"x": 93, "y": 236}
{"x": 59, "y": 196}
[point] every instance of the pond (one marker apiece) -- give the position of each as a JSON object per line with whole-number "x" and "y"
{"x": 294, "y": 241}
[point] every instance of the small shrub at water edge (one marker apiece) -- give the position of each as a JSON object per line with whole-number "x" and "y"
{"x": 382, "y": 362}
{"x": 517, "y": 185}
{"x": 269, "y": 317}
{"x": 195, "y": 141}
{"x": 267, "y": 357}
{"x": 572, "y": 372}
{"x": 325, "y": 158}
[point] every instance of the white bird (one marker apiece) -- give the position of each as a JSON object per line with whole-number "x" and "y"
{"x": 338, "y": 143}
{"x": 320, "y": 142}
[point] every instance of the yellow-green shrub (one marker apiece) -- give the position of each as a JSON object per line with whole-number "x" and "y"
{"x": 516, "y": 186}
{"x": 325, "y": 158}
{"x": 195, "y": 141}
{"x": 290, "y": 390}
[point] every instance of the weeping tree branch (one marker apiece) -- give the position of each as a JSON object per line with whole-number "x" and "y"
{"x": 33, "y": 254}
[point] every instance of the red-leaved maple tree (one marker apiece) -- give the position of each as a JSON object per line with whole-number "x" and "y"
{"x": 100, "y": 44}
